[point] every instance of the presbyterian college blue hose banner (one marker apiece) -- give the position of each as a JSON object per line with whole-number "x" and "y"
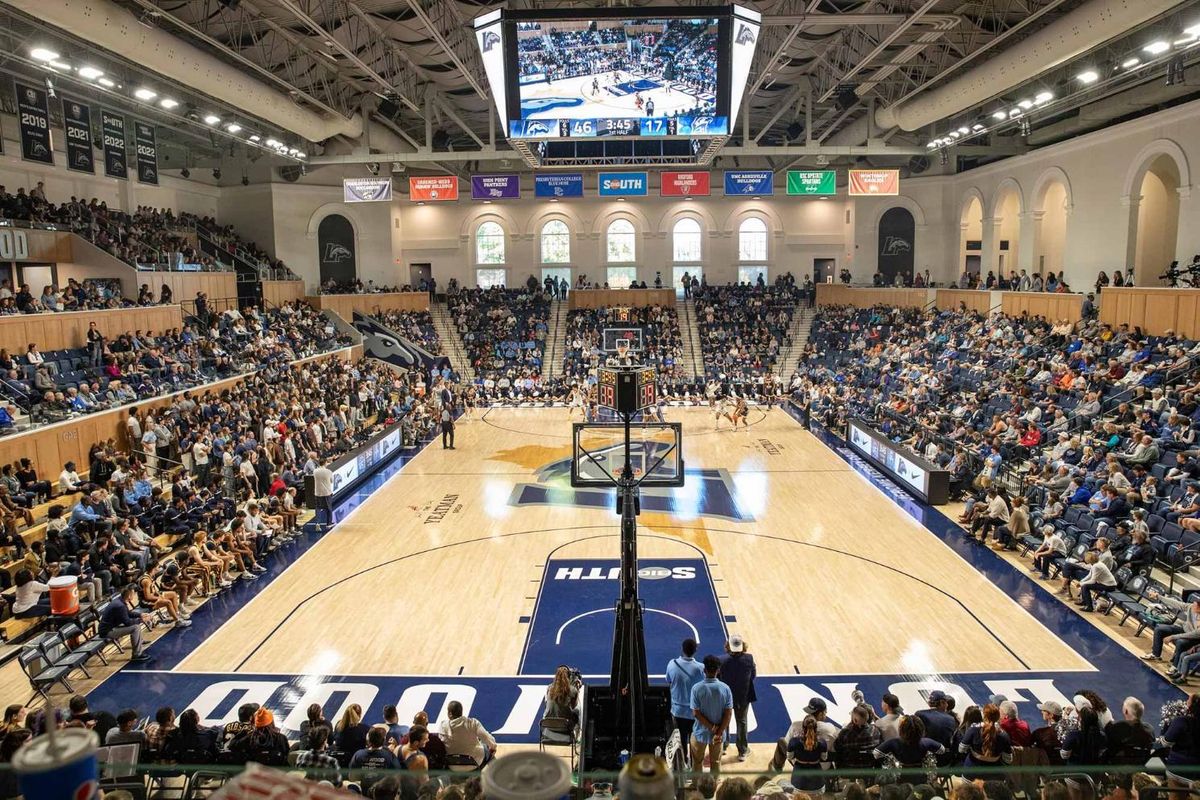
{"x": 569, "y": 184}
{"x": 623, "y": 184}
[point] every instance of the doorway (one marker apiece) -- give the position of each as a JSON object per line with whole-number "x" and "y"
{"x": 418, "y": 273}
{"x": 824, "y": 270}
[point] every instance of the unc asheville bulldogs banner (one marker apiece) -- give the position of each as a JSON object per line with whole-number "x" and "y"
{"x": 367, "y": 190}
{"x": 77, "y": 121}
{"x": 495, "y": 187}
{"x": 147, "y": 152}
{"x": 33, "y": 116}
{"x": 749, "y": 182}
{"x": 568, "y": 184}
{"x": 384, "y": 344}
{"x": 112, "y": 127}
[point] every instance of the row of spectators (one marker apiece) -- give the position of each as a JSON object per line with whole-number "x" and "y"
{"x": 417, "y": 326}
{"x": 91, "y": 294}
{"x": 502, "y": 328}
{"x": 744, "y": 327}
{"x": 661, "y": 340}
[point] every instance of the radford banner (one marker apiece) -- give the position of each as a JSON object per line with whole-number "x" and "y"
{"x": 33, "y": 115}
{"x": 147, "y": 152}
{"x": 685, "y": 184}
{"x": 495, "y": 187}
{"x": 874, "y": 182}
{"x": 433, "y": 187}
{"x": 77, "y": 121}
{"x": 367, "y": 190}
{"x": 112, "y": 127}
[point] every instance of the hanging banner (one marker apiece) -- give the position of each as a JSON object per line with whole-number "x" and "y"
{"x": 367, "y": 190}
{"x": 147, "y": 152}
{"x": 749, "y": 182}
{"x": 685, "y": 184}
{"x": 77, "y": 122}
{"x": 874, "y": 182}
{"x": 495, "y": 187}
{"x": 568, "y": 184}
{"x": 817, "y": 183}
{"x": 433, "y": 187}
{"x": 33, "y": 114}
{"x": 112, "y": 127}
{"x": 623, "y": 184}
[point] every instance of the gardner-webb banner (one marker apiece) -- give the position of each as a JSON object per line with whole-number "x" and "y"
{"x": 147, "y": 152}
{"x": 112, "y": 127}
{"x": 33, "y": 116}
{"x": 77, "y": 121}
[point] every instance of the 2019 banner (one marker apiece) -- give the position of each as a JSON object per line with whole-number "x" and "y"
{"x": 33, "y": 115}
{"x": 77, "y": 121}
{"x": 147, "y": 152}
{"x": 112, "y": 128}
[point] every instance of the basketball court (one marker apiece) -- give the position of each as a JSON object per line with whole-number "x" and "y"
{"x": 471, "y": 574}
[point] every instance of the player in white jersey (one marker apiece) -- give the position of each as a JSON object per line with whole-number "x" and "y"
{"x": 575, "y": 402}
{"x": 723, "y": 409}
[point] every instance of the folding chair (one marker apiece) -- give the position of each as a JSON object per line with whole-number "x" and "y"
{"x": 558, "y": 732}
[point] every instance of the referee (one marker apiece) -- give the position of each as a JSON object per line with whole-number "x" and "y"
{"x": 447, "y": 426}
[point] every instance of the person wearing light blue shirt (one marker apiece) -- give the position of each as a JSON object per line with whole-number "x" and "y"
{"x": 712, "y": 707}
{"x": 683, "y": 673}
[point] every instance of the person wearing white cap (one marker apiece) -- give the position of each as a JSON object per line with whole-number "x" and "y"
{"x": 738, "y": 672}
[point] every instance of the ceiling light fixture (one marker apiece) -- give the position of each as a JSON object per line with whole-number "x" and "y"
{"x": 211, "y": 119}
{"x": 272, "y": 143}
{"x": 106, "y": 83}
{"x": 233, "y": 127}
{"x": 1130, "y": 63}
{"x": 1043, "y": 97}
{"x": 61, "y": 65}
{"x": 977, "y": 127}
{"x": 964, "y": 130}
{"x": 91, "y": 73}
{"x": 1157, "y": 47}
{"x": 168, "y": 103}
{"x": 1088, "y": 76}
{"x": 1025, "y": 104}
{"x": 145, "y": 94}
{"x": 999, "y": 115}
{"x": 43, "y": 54}
{"x": 1016, "y": 112}
{"x": 254, "y": 137}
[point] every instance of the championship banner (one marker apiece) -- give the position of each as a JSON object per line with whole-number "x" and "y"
{"x": 749, "y": 182}
{"x": 623, "y": 184}
{"x": 495, "y": 187}
{"x": 33, "y": 114}
{"x": 367, "y": 190}
{"x": 817, "y": 183}
{"x": 77, "y": 121}
{"x": 568, "y": 184}
{"x": 874, "y": 182}
{"x": 112, "y": 126}
{"x": 147, "y": 152}
{"x": 433, "y": 187}
{"x": 685, "y": 184}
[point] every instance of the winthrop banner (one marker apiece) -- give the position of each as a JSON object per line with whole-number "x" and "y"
{"x": 433, "y": 187}
{"x": 33, "y": 115}
{"x": 495, "y": 187}
{"x": 147, "y": 152}
{"x": 366, "y": 190}
{"x": 112, "y": 127}
{"x": 874, "y": 182}
{"x": 77, "y": 121}
{"x": 685, "y": 184}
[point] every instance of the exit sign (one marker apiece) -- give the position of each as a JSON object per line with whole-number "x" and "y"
{"x": 817, "y": 182}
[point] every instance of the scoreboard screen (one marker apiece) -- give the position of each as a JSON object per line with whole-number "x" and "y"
{"x": 647, "y": 389}
{"x": 606, "y": 389}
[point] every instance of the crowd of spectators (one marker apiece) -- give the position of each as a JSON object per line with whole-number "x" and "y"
{"x": 502, "y": 329}
{"x": 662, "y": 342}
{"x": 744, "y": 327}
{"x": 416, "y": 326}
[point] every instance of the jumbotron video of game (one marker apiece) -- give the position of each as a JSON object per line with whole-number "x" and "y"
{"x": 647, "y": 72}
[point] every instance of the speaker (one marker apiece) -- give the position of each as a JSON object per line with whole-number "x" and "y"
{"x": 846, "y": 96}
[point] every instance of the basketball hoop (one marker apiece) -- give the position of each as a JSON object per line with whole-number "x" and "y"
{"x": 622, "y": 348}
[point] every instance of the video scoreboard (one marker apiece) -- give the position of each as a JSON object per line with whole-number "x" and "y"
{"x": 627, "y": 390}
{"x": 684, "y": 125}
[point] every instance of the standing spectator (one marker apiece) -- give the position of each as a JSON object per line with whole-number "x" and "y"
{"x": 323, "y": 495}
{"x": 447, "y": 427}
{"x": 738, "y": 672}
{"x": 683, "y": 673}
{"x": 712, "y": 708}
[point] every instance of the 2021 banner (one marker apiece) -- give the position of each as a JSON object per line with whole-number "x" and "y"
{"x": 77, "y": 121}
{"x": 33, "y": 115}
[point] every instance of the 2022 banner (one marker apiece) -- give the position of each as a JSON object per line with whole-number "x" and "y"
{"x": 147, "y": 152}
{"x": 33, "y": 115}
{"x": 77, "y": 121}
{"x": 112, "y": 128}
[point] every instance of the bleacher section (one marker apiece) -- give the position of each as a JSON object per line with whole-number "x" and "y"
{"x": 502, "y": 329}
{"x": 743, "y": 329}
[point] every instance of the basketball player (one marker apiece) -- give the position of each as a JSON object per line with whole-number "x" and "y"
{"x": 722, "y": 408}
{"x": 595, "y": 85}
{"x": 768, "y": 390}
{"x": 468, "y": 399}
{"x": 740, "y": 412}
{"x": 710, "y": 392}
{"x": 575, "y": 402}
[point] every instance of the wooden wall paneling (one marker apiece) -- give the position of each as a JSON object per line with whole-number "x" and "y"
{"x": 1053, "y": 307}
{"x": 276, "y": 293}
{"x": 601, "y": 298}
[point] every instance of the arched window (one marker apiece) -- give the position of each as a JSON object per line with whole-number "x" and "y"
{"x": 556, "y": 242}
{"x": 752, "y": 240}
{"x": 489, "y": 243}
{"x": 620, "y": 241}
{"x": 685, "y": 240}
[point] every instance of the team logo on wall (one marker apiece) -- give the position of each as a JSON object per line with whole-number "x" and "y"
{"x": 745, "y": 35}
{"x": 490, "y": 40}
{"x": 336, "y": 252}
{"x": 384, "y": 344}
{"x": 895, "y": 245}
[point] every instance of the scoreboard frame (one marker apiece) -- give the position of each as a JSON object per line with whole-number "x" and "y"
{"x": 626, "y": 390}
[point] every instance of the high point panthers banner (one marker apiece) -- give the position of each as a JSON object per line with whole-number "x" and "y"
{"x": 77, "y": 121}
{"x": 147, "y": 152}
{"x": 495, "y": 187}
{"x": 366, "y": 190}
{"x": 383, "y": 343}
{"x": 33, "y": 115}
{"x": 112, "y": 127}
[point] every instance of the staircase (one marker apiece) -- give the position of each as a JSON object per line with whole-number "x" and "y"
{"x": 555, "y": 340}
{"x": 452, "y": 343}
{"x": 692, "y": 355}
{"x": 801, "y": 324}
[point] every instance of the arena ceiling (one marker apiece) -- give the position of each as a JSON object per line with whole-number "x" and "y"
{"x": 825, "y": 81}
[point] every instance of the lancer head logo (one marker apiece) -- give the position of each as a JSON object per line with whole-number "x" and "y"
{"x": 745, "y": 35}
{"x": 83, "y": 159}
{"x": 370, "y": 191}
{"x": 536, "y": 127}
{"x": 383, "y": 344}
{"x": 30, "y": 96}
{"x": 895, "y": 245}
{"x": 335, "y": 252}
{"x": 148, "y": 171}
{"x": 38, "y": 149}
{"x": 490, "y": 40}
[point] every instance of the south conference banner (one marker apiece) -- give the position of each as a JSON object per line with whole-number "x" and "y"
{"x": 433, "y": 187}
{"x": 77, "y": 121}
{"x": 112, "y": 127}
{"x": 865, "y": 182}
{"x": 33, "y": 116}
